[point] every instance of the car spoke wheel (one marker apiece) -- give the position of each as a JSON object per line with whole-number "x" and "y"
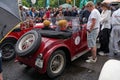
{"x": 8, "y": 49}
{"x": 26, "y": 42}
{"x": 56, "y": 64}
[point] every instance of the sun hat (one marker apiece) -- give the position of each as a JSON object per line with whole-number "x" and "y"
{"x": 46, "y": 23}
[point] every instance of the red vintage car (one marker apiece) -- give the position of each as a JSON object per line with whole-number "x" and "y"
{"x": 7, "y": 45}
{"x": 49, "y": 51}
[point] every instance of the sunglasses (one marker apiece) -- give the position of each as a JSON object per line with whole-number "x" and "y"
{"x": 87, "y": 6}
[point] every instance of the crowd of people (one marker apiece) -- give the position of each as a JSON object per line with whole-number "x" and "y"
{"x": 99, "y": 26}
{"x": 43, "y": 13}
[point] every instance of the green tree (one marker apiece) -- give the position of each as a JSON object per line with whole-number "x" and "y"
{"x": 26, "y": 3}
{"x": 41, "y": 3}
{"x": 53, "y": 3}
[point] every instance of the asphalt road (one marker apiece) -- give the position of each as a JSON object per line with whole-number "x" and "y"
{"x": 78, "y": 70}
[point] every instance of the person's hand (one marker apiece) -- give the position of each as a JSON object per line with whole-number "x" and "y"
{"x": 84, "y": 25}
{"x": 1, "y": 77}
{"x": 89, "y": 30}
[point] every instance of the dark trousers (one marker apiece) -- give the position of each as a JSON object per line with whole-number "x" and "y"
{"x": 104, "y": 40}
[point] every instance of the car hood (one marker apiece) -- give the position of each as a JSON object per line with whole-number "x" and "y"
{"x": 9, "y": 16}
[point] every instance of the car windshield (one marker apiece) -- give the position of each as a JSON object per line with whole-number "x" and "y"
{"x": 73, "y": 23}
{"x": 72, "y": 20}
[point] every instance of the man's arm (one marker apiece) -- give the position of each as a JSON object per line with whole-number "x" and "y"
{"x": 92, "y": 25}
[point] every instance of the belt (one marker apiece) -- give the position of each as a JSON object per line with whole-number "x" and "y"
{"x": 95, "y": 28}
{"x": 116, "y": 25}
{"x": 92, "y": 29}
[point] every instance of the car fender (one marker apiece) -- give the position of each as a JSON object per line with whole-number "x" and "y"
{"x": 49, "y": 53}
{"x": 12, "y": 35}
{"x": 15, "y": 36}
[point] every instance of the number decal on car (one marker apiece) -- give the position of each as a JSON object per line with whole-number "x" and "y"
{"x": 77, "y": 40}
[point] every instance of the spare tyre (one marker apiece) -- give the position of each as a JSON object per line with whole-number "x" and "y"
{"x": 28, "y": 43}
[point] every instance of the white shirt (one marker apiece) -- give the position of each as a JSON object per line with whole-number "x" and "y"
{"x": 33, "y": 15}
{"x": 96, "y": 15}
{"x": 105, "y": 19}
{"x": 116, "y": 18}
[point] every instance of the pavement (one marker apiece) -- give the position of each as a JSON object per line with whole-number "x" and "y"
{"x": 78, "y": 70}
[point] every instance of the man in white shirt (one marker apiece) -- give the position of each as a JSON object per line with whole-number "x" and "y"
{"x": 93, "y": 25}
{"x": 115, "y": 33}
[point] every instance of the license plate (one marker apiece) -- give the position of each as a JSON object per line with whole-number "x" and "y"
{"x": 39, "y": 63}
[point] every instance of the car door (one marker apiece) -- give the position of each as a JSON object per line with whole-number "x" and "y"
{"x": 76, "y": 41}
{"x": 79, "y": 40}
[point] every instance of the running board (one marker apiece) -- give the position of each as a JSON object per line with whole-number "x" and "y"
{"x": 80, "y": 54}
